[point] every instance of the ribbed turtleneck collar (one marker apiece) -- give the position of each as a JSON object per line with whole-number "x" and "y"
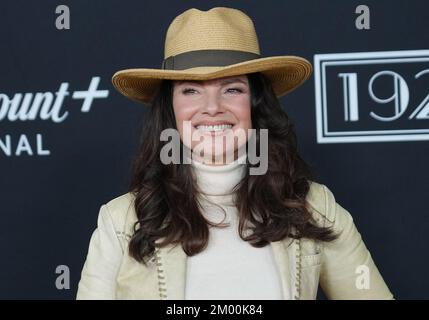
{"x": 217, "y": 182}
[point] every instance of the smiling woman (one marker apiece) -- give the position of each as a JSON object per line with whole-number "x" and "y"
{"x": 196, "y": 230}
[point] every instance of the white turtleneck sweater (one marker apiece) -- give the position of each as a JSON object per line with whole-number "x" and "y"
{"x": 229, "y": 268}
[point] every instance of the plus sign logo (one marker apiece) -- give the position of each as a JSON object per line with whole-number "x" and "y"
{"x": 89, "y": 95}
{"x": 41, "y": 106}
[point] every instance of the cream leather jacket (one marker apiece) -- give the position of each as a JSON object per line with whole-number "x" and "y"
{"x": 110, "y": 273}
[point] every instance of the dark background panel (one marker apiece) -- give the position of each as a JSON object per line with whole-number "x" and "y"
{"x": 50, "y": 203}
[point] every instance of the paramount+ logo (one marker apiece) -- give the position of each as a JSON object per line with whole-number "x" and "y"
{"x": 372, "y": 96}
{"x": 32, "y": 107}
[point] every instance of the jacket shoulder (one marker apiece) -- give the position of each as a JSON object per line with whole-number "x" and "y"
{"x": 321, "y": 202}
{"x": 122, "y": 213}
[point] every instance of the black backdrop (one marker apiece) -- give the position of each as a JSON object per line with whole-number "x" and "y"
{"x": 50, "y": 202}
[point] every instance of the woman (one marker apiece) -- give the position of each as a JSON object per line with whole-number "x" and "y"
{"x": 203, "y": 225}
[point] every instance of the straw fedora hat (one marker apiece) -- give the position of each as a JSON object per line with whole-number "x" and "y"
{"x": 204, "y": 45}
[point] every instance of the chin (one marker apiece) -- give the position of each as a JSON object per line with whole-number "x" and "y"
{"x": 213, "y": 155}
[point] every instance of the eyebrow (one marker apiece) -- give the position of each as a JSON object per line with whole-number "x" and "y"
{"x": 224, "y": 82}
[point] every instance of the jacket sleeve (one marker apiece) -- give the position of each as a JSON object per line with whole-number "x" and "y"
{"x": 348, "y": 270}
{"x": 98, "y": 277}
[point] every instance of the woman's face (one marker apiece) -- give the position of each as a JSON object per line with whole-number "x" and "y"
{"x": 218, "y": 110}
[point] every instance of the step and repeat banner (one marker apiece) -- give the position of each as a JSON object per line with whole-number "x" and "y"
{"x": 67, "y": 137}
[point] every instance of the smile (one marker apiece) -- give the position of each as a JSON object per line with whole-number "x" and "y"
{"x": 214, "y": 128}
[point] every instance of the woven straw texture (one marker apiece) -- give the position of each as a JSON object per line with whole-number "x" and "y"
{"x": 218, "y": 28}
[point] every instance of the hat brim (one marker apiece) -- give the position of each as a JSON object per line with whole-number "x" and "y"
{"x": 284, "y": 72}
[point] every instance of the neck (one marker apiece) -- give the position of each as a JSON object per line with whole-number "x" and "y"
{"x": 218, "y": 182}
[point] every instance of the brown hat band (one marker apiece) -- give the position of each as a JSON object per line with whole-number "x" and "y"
{"x": 207, "y": 58}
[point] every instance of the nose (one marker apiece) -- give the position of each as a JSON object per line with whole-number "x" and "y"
{"x": 213, "y": 104}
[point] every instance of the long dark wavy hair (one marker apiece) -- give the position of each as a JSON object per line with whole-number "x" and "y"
{"x": 166, "y": 196}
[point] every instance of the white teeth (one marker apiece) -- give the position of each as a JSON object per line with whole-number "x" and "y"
{"x": 220, "y": 127}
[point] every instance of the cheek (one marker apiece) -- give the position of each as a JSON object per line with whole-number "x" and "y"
{"x": 242, "y": 112}
{"x": 182, "y": 112}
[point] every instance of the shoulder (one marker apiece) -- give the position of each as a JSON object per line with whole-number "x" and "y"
{"x": 321, "y": 201}
{"x": 122, "y": 213}
{"x": 121, "y": 203}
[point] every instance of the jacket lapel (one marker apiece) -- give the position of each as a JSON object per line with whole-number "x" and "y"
{"x": 172, "y": 265}
{"x": 284, "y": 256}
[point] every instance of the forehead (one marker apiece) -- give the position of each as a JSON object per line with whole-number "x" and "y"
{"x": 219, "y": 81}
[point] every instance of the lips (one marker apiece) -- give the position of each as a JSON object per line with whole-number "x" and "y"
{"x": 213, "y": 128}
{"x": 212, "y": 123}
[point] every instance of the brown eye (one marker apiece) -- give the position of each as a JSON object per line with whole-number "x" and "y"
{"x": 235, "y": 90}
{"x": 188, "y": 90}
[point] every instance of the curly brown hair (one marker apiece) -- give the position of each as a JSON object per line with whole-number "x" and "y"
{"x": 273, "y": 203}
